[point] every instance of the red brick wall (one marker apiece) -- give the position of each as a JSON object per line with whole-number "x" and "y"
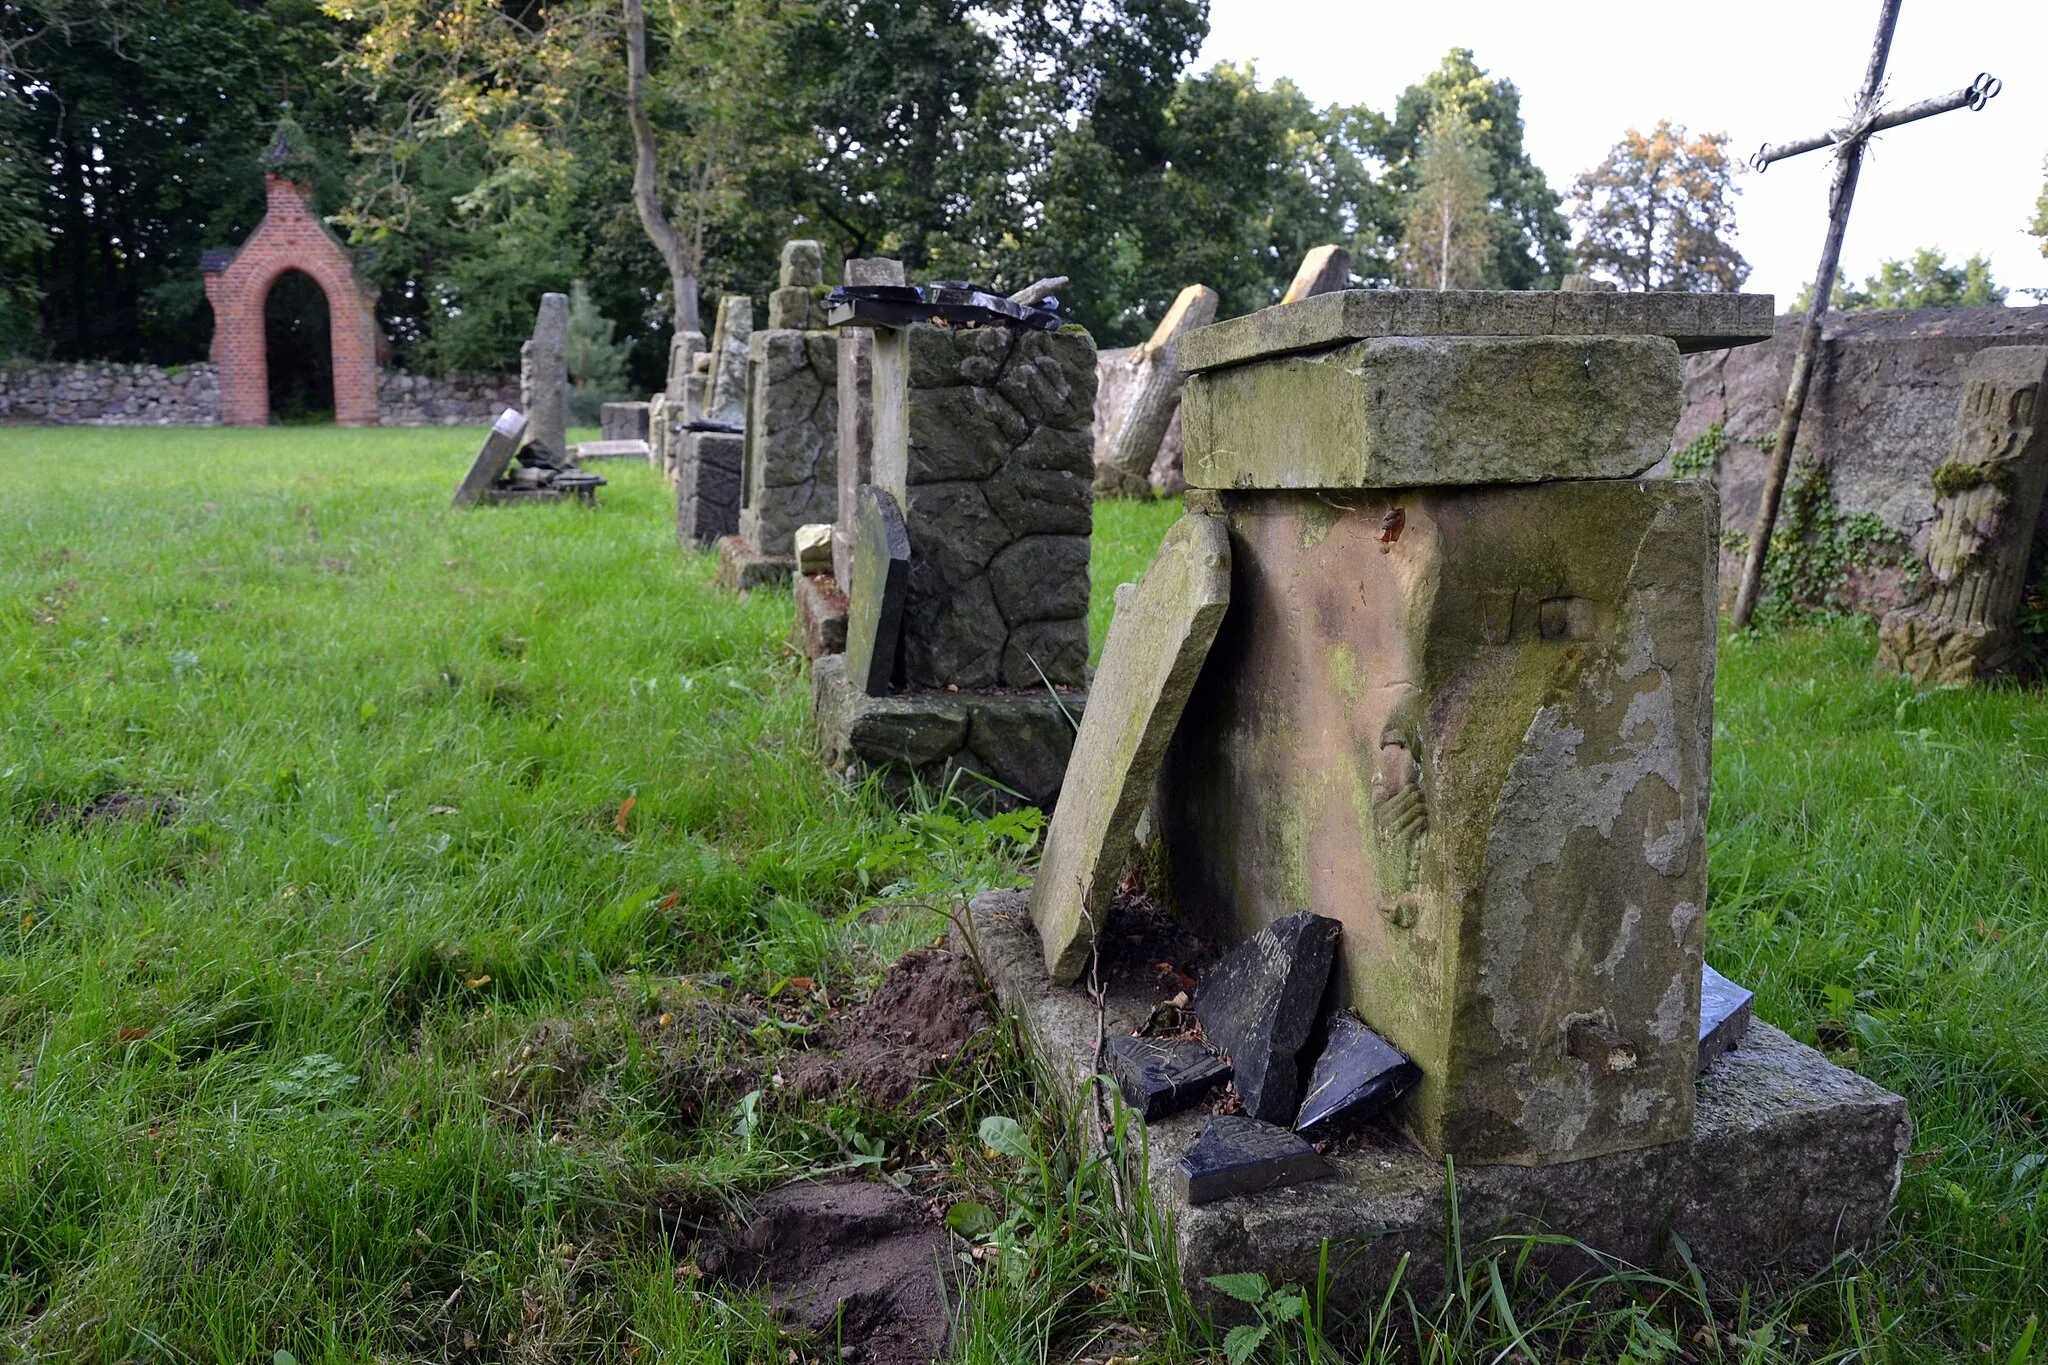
{"x": 291, "y": 237}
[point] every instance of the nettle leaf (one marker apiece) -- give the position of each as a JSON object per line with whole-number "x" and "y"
{"x": 1240, "y": 1342}
{"x": 1285, "y": 1307}
{"x": 1007, "y": 1136}
{"x": 970, "y": 1219}
{"x": 1246, "y": 1286}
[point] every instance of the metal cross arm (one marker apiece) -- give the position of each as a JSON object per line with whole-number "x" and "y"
{"x": 1975, "y": 95}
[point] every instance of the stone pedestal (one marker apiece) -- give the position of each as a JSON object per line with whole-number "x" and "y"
{"x": 707, "y": 476}
{"x": 1987, "y": 500}
{"x": 791, "y": 475}
{"x": 1463, "y": 699}
{"x": 1785, "y": 1161}
{"x": 820, "y": 625}
{"x": 982, "y": 441}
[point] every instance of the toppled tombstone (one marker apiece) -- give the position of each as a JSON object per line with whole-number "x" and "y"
{"x": 1157, "y": 641}
{"x": 1725, "y": 1011}
{"x": 544, "y": 377}
{"x": 1259, "y": 1005}
{"x": 1357, "y": 1077}
{"x": 1162, "y": 1076}
{"x": 1324, "y": 270}
{"x": 501, "y": 443}
{"x": 1238, "y": 1155}
{"x": 857, "y": 1265}
{"x": 1987, "y": 500}
{"x": 506, "y": 471}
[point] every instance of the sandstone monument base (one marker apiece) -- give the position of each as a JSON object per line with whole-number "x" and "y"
{"x": 1791, "y": 1159}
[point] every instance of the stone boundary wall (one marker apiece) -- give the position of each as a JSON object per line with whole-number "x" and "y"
{"x": 104, "y": 394}
{"x": 1878, "y": 420}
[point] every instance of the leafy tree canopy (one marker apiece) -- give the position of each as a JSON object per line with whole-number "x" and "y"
{"x": 1658, "y": 212}
{"x": 1926, "y": 280}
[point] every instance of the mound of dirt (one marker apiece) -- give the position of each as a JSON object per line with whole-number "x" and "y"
{"x": 927, "y": 1011}
{"x": 858, "y": 1264}
{"x": 147, "y": 810}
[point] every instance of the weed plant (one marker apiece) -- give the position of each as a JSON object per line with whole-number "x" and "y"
{"x": 380, "y": 887}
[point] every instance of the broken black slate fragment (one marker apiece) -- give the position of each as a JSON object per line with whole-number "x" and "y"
{"x": 1357, "y": 1077}
{"x": 1162, "y": 1076}
{"x": 1236, "y": 1155}
{"x": 1724, "y": 1015}
{"x": 1259, "y": 1006}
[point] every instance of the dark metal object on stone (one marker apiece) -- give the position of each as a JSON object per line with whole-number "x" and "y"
{"x": 1725, "y": 1011}
{"x": 722, "y": 428}
{"x": 1238, "y": 1155}
{"x": 1358, "y": 1076}
{"x": 1849, "y": 143}
{"x": 881, "y": 579}
{"x": 1259, "y": 1005}
{"x": 946, "y": 303}
{"x": 1162, "y": 1076}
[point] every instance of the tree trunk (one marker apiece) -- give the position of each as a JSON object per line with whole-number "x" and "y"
{"x": 675, "y": 250}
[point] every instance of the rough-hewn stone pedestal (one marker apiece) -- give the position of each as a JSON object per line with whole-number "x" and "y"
{"x": 707, "y": 478}
{"x": 993, "y": 748}
{"x": 1788, "y": 1159}
{"x": 742, "y": 568}
{"x": 820, "y": 625}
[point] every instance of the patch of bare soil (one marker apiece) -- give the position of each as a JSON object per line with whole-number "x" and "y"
{"x": 927, "y": 1012}
{"x": 860, "y": 1266}
{"x": 111, "y": 806}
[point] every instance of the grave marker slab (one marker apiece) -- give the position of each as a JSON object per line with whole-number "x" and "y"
{"x": 1162, "y": 1076}
{"x": 1259, "y": 1006}
{"x": 881, "y": 579}
{"x": 501, "y": 443}
{"x": 1724, "y": 1015}
{"x": 1158, "y": 640}
{"x": 1237, "y": 1155}
{"x": 1358, "y": 1076}
{"x": 544, "y": 377}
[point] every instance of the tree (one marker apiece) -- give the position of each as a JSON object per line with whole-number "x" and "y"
{"x": 1531, "y": 246}
{"x": 1448, "y": 222}
{"x": 2039, "y": 227}
{"x": 1658, "y": 211}
{"x": 1925, "y": 281}
{"x": 596, "y": 363}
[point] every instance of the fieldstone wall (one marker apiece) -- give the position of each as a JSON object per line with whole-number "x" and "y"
{"x": 1879, "y": 419}
{"x": 111, "y": 395}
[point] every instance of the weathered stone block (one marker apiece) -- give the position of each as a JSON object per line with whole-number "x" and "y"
{"x": 1237, "y": 1156}
{"x": 707, "y": 478}
{"x": 1473, "y": 725}
{"x": 1259, "y": 1005}
{"x": 820, "y": 624}
{"x": 742, "y": 568}
{"x": 1694, "y": 322}
{"x": 803, "y": 264}
{"x": 1789, "y": 1161}
{"x": 1157, "y": 642}
{"x": 792, "y": 437}
{"x": 624, "y": 421}
{"x": 1397, "y": 412}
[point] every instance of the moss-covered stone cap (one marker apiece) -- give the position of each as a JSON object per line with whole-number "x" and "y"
{"x": 1697, "y": 322}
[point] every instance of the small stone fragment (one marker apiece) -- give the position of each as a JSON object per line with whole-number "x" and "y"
{"x": 1724, "y": 1015}
{"x": 814, "y": 548}
{"x": 1162, "y": 1076}
{"x": 1359, "y": 1075}
{"x": 1259, "y": 1005}
{"x": 1237, "y": 1155}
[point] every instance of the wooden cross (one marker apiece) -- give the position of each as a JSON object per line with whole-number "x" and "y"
{"x": 1848, "y": 142}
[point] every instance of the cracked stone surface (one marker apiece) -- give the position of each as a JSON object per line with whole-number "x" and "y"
{"x": 1259, "y": 1006}
{"x": 1357, "y": 1076}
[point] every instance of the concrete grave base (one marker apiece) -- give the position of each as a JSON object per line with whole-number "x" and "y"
{"x": 1018, "y": 739}
{"x": 820, "y": 624}
{"x": 629, "y": 448}
{"x": 587, "y": 494}
{"x": 742, "y": 568}
{"x": 1791, "y": 1160}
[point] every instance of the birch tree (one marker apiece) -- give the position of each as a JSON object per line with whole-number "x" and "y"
{"x": 1449, "y": 214}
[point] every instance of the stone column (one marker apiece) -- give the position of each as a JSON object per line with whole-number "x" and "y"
{"x": 856, "y": 412}
{"x": 544, "y": 377}
{"x": 1463, "y": 698}
{"x": 1987, "y": 500}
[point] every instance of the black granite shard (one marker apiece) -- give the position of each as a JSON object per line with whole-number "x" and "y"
{"x": 951, "y": 303}
{"x": 1358, "y": 1076}
{"x": 1724, "y": 1015}
{"x": 1237, "y": 1155}
{"x": 1259, "y": 1005}
{"x": 1162, "y": 1076}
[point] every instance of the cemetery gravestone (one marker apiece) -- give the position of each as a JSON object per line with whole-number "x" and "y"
{"x": 1126, "y": 469}
{"x": 855, "y": 372}
{"x": 710, "y": 448}
{"x": 500, "y": 444}
{"x": 544, "y": 377}
{"x": 875, "y": 596}
{"x": 1324, "y": 270}
{"x": 1157, "y": 641}
{"x": 1988, "y": 497}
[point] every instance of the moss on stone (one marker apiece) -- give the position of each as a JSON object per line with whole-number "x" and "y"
{"x": 1952, "y": 479}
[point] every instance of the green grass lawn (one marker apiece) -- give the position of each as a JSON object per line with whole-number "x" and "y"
{"x": 409, "y": 1033}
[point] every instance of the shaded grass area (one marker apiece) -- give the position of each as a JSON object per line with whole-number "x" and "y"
{"x": 355, "y": 1045}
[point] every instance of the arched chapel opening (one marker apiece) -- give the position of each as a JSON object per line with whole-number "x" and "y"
{"x": 271, "y": 298}
{"x": 298, "y": 350}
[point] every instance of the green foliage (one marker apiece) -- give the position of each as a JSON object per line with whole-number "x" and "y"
{"x": 1531, "y": 241}
{"x": 2039, "y": 227}
{"x": 1816, "y": 550}
{"x": 1925, "y": 281}
{"x": 1659, "y": 211}
{"x": 597, "y": 364}
{"x": 1448, "y": 223}
{"x": 1701, "y": 454}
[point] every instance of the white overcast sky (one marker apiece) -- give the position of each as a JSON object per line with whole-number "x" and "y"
{"x": 1759, "y": 70}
